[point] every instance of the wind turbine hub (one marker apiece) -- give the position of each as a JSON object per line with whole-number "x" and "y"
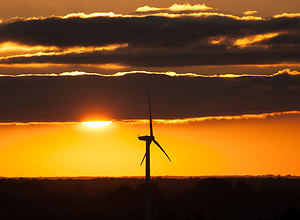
{"x": 146, "y": 138}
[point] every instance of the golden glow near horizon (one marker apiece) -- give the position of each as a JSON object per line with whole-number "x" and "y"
{"x": 215, "y": 147}
{"x": 96, "y": 124}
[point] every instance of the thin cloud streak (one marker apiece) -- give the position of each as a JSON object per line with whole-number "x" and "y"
{"x": 169, "y": 73}
{"x": 213, "y": 118}
{"x": 287, "y": 15}
{"x": 49, "y": 51}
{"x": 38, "y": 123}
{"x": 167, "y": 121}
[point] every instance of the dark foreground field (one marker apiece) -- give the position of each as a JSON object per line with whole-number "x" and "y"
{"x": 123, "y": 198}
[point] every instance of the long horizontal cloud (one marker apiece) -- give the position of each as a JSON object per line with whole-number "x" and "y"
{"x": 183, "y": 40}
{"x": 201, "y": 119}
{"x": 166, "y": 121}
{"x": 147, "y": 58}
{"x": 124, "y": 96}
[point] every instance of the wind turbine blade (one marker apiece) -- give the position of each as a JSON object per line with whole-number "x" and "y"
{"x": 143, "y": 159}
{"x": 161, "y": 149}
{"x": 150, "y": 116}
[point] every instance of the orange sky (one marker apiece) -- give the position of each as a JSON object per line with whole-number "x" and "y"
{"x": 173, "y": 50}
{"x": 226, "y": 147}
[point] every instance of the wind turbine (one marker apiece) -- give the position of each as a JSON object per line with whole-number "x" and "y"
{"x": 149, "y": 140}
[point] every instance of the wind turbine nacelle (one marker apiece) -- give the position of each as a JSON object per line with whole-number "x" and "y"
{"x": 145, "y": 138}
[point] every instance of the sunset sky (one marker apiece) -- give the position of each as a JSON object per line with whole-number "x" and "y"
{"x": 224, "y": 78}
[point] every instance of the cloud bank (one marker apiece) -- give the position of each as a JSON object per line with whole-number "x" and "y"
{"x": 181, "y": 36}
{"x": 160, "y": 39}
{"x": 123, "y": 96}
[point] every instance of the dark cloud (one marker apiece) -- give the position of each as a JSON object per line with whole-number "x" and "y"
{"x": 283, "y": 40}
{"x": 69, "y": 98}
{"x": 158, "y": 41}
{"x": 166, "y": 59}
{"x": 150, "y": 30}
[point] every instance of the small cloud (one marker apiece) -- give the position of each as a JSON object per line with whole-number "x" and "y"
{"x": 92, "y": 15}
{"x": 189, "y": 7}
{"x": 250, "y": 12}
{"x": 147, "y": 8}
{"x": 243, "y": 42}
{"x": 287, "y": 71}
{"x": 289, "y": 15}
{"x": 176, "y": 7}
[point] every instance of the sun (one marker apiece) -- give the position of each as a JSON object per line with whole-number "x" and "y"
{"x": 96, "y": 124}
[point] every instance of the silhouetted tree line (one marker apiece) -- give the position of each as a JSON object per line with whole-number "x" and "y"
{"x": 123, "y": 198}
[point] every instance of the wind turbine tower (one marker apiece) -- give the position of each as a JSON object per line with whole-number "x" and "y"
{"x": 149, "y": 139}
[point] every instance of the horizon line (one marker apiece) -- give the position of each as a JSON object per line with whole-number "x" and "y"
{"x": 288, "y": 176}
